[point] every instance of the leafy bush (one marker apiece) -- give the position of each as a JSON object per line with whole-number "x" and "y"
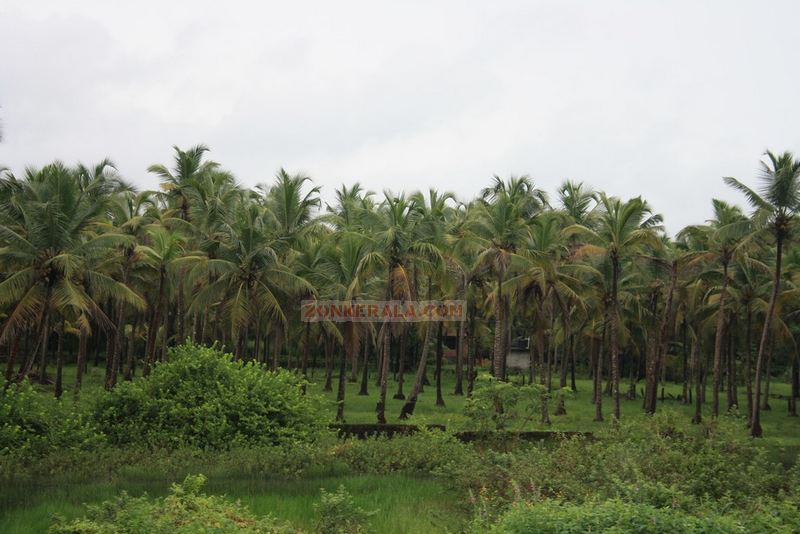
{"x": 553, "y": 517}
{"x": 33, "y": 425}
{"x": 202, "y": 398}
{"x": 185, "y": 510}
{"x": 655, "y": 461}
{"x": 427, "y": 451}
{"x": 338, "y": 514}
{"x": 500, "y": 405}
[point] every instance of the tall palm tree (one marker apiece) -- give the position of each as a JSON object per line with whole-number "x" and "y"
{"x": 725, "y": 234}
{"x": 501, "y": 222}
{"x": 345, "y": 269}
{"x": 247, "y": 275}
{"x": 163, "y": 254}
{"x": 181, "y": 183}
{"x": 431, "y": 229}
{"x": 623, "y": 229}
{"x": 292, "y": 209}
{"x": 394, "y": 238}
{"x": 49, "y": 240}
{"x": 776, "y": 206}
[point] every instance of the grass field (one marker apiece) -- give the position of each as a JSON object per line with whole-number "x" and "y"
{"x": 779, "y": 428}
{"x": 404, "y": 504}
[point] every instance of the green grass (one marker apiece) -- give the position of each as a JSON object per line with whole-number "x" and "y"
{"x": 403, "y": 503}
{"x": 780, "y": 430}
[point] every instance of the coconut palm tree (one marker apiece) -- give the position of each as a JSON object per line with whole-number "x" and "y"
{"x": 345, "y": 269}
{"x": 292, "y": 210}
{"x": 434, "y": 213}
{"x": 49, "y": 232}
{"x": 622, "y": 230}
{"x": 394, "y": 237}
{"x": 182, "y": 182}
{"x": 725, "y": 234}
{"x": 247, "y": 275}
{"x": 501, "y": 222}
{"x": 776, "y": 206}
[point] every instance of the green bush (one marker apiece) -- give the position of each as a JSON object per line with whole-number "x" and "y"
{"x": 656, "y": 461}
{"x": 553, "y": 517}
{"x": 426, "y": 452}
{"x": 201, "y": 398}
{"x": 185, "y": 510}
{"x": 33, "y": 425}
{"x": 338, "y": 514}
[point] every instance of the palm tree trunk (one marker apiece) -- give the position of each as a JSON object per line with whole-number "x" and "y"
{"x": 130, "y": 358}
{"x": 41, "y": 336}
{"x": 364, "y": 391}
{"x": 383, "y": 375}
{"x": 697, "y": 373}
{"x": 718, "y": 340}
{"x": 43, "y": 350}
{"x": 748, "y": 365}
{"x": 598, "y": 376}
{"x": 755, "y": 427}
{"x": 166, "y": 333}
{"x": 531, "y": 356}
{"x": 459, "y": 387}
{"x": 661, "y": 342}
{"x": 685, "y": 366}
{"x": 82, "y": 342}
{"x": 328, "y": 365}
{"x": 541, "y": 355}
{"x": 561, "y": 408}
{"x": 614, "y": 338}
{"x": 401, "y": 365}
{"x": 306, "y": 350}
{"x": 416, "y": 388}
{"x": 472, "y": 352}
{"x": 257, "y": 339}
{"x": 439, "y": 357}
{"x": 354, "y": 366}
{"x": 499, "y": 358}
{"x": 119, "y": 338}
{"x": 411, "y": 401}
{"x": 179, "y": 313}
{"x": 155, "y": 322}
{"x": 768, "y": 374}
{"x": 733, "y": 400}
{"x": 572, "y": 365}
{"x": 59, "y": 389}
{"x": 342, "y": 381}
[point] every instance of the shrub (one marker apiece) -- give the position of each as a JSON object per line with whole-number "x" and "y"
{"x": 33, "y": 425}
{"x": 427, "y": 451}
{"x": 185, "y": 510}
{"x": 553, "y": 517}
{"x": 338, "y": 514}
{"x": 201, "y": 398}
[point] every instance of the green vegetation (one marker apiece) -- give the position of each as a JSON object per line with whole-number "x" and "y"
{"x": 201, "y": 398}
{"x": 553, "y": 517}
{"x": 185, "y": 510}
{"x": 160, "y": 332}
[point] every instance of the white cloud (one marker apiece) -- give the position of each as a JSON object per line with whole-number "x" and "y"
{"x": 634, "y": 98}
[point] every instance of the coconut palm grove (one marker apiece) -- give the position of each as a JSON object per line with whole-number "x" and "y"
{"x": 605, "y": 375}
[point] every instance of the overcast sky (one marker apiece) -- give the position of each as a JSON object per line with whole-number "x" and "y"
{"x": 654, "y": 98}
